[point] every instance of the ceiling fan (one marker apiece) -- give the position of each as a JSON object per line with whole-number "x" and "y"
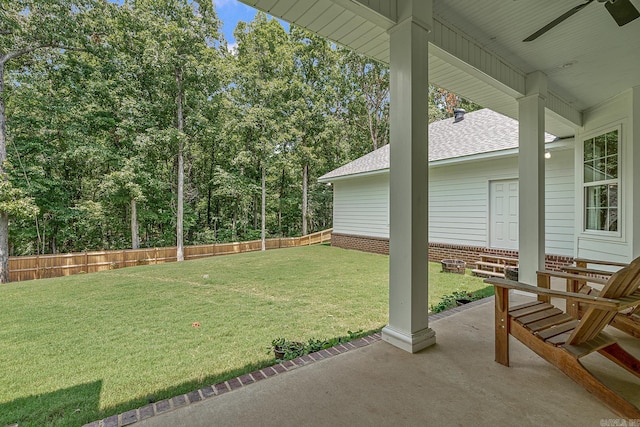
{"x": 622, "y": 11}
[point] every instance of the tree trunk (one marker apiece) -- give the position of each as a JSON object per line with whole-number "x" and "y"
{"x": 210, "y": 191}
{"x": 4, "y": 217}
{"x": 4, "y": 247}
{"x": 372, "y": 132}
{"x": 234, "y": 221}
{"x": 282, "y": 183}
{"x": 135, "y": 237}
{"x": 254, "y": 209}
{"x": 180, "y": 214}
{"x": 44, "y": 232}
{"x": 216, "y": 219}
{"x": 305, "y": 188}
{"x": 264, "y": 210}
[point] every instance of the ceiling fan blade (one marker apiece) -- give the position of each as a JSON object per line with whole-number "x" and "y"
{"x": 622, "y": 11}
{"x": 558, "y": 20}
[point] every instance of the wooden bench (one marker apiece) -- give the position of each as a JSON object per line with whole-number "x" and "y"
{"x": 493, "y": 265}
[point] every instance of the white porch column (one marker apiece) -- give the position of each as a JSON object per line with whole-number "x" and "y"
{"x": 408, "y": 326}
{"x": 531, "y": 182}
{"x": 633, "y": 138}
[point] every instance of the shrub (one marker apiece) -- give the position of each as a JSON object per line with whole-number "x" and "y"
{"x": 289, "y": 350}
{"x": 449, "y": 301}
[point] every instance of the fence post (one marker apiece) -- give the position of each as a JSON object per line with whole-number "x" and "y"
{"x": 37, "y": 271}
{"x": 155, "y": 255}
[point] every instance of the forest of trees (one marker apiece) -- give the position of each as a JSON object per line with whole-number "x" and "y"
{"x": 137, "y": 125}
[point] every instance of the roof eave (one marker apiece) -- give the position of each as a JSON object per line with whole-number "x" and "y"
{"x": 557, "y": 144}
{"x": 352, "y": 175}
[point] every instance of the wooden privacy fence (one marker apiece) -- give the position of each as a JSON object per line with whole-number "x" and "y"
{"x": 43, "y": 266}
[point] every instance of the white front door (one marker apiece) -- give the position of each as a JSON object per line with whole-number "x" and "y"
{"x": 503, "y": 214}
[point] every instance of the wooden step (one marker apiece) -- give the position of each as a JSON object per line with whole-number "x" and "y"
{"x": 490, "y": 264}
{"x": 487, "y": 273}
{"x": 501, "y": 259}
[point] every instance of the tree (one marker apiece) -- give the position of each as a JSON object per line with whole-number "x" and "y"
{"x": 312, "y": 124}
{"x": 122, "y": 186}
{"x": 147, "y": 131}
{"x": 369, "y": 96}
{"x": 442, "y": 104}
{"x": 180, "y": 37}
{"x": 263, "y": 66}
{"x": 27, "y": 27}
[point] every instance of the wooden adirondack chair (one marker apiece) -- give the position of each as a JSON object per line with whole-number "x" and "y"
{"x": 562, "y": 340}
{"x": 627, "y": 321}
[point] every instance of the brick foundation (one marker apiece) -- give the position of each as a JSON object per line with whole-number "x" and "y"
{"x": 439, "y": 251}
{"x": 376, "y": 245}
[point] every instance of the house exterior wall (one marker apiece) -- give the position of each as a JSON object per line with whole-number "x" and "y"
{"x": 361, "y": 206}
{"x": 458, "y": 205}
{"x": 621, "y": 112}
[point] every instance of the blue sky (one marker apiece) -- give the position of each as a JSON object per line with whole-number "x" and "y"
{"x": 230, "y": 12}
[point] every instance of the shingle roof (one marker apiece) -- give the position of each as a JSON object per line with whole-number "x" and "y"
{"x": 481, "y": 131}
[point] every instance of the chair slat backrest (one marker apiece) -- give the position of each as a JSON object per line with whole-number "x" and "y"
{"x": 621, "y": 284}
{"x": 633, "y": 284}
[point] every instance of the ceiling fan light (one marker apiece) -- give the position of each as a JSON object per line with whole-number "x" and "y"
{"x": 622, "y": 11}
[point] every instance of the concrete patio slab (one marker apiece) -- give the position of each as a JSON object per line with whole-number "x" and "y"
{"x": 455, "y": 382}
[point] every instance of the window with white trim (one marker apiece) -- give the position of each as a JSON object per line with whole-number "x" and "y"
{"x": 601, "y": 182}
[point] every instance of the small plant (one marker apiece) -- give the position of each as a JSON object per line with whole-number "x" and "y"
{"x": 317, "y": 345}
{"x": 284, "y": 349}
{"x": 357, "y": 334}
{"x": 449, "y": 301}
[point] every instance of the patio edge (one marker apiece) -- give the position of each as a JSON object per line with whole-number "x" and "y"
{"x": 157, "y": 408}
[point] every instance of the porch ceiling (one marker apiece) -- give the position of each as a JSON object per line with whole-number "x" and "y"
{"x": 477, "y": 48}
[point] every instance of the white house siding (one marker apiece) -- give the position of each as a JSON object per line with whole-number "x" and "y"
{"x": 618, "y": 112}
{"x": 459, "y": 202}
{"x": 361, "y": 206}
{"x": 560, "y": 204}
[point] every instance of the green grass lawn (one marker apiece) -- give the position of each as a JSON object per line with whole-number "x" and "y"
{"x": 80, "y": 348}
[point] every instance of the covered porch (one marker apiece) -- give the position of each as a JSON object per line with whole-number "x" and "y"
{"x": 567, "y": 68}
{"x": 579, "y": 79}
{"x": 455, "y": 382}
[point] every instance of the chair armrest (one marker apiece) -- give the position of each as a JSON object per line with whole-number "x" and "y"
{"x": 602, "y": 303}
{"x": 600, "y": 262}
{"x": 570, "y": 276}
{"x": 584, "y": 270}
